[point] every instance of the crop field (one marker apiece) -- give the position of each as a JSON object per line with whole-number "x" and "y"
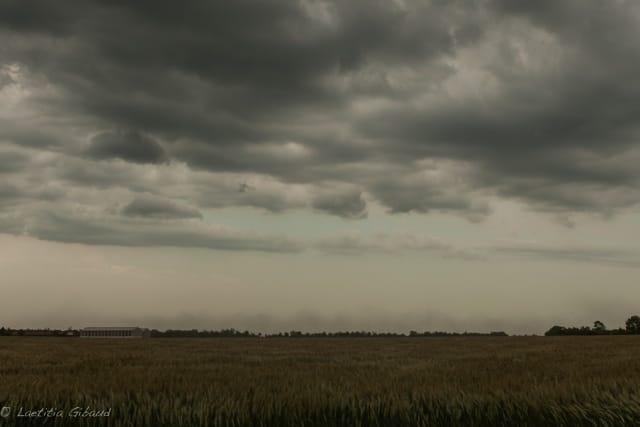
{"x": 482, "y": 381}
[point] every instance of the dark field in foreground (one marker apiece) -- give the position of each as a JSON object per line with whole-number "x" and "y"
{"x": 322, "y": 382}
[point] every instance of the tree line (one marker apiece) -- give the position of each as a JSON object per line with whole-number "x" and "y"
{"x": 234, "y": 333}
{"x": 632, "y": 327}
{"x": 46, "y": 332}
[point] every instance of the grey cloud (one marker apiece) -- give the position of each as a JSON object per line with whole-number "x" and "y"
{"x": 126, "y": 145}
{"x": 99, "y": 174}
{"x": 549, "y": 90}
{"x": 173, "y": 181}
{"x": 220, "y": 190}
{"x": 5, "y": 78}
{"x": 547, "y": 195}
{"x": 79, "y": 225}
{"x": 157, "y": 207}
{"x": 29, "y": 134}
{"x": 15, "y": 192}
{"x": 13, "y": 161}
{"x": 419, "y": 197}
{"x": 357, "y": 243}
{"x": 286, "y": 66}
{"x": 9, "y": 193}
{"x": 11, "y": 223}
{"x": 35, "y": 16}
{"x": 347, "y": 204}
{"x": 432, "y": 188}
{"x": 349, "y": 244}
{"x": 267, "y": 158}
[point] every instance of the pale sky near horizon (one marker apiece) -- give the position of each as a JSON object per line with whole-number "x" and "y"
{"x": 320, "y": 165}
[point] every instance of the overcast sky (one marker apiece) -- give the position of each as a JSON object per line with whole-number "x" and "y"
{"x": 312, "y": 164}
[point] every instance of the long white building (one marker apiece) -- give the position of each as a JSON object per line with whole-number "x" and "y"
{"x": 114, "y": 332}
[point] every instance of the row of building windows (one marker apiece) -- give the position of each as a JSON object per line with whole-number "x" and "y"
{"x": 106, "y": 333}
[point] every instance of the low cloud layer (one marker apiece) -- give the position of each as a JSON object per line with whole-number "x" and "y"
{"x": 78, "y": 225}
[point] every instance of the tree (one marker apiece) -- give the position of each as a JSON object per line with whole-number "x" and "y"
{"x": 598, "y": 327}
{"x": 633, "y": 325}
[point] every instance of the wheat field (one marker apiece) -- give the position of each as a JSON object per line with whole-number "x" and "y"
{"x": 474, "y": 381}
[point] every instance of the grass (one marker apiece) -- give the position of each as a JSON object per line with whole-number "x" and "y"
{"x": 475, "y": 381}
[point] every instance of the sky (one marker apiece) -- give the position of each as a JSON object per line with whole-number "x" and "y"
{"x": 275, "y": 165}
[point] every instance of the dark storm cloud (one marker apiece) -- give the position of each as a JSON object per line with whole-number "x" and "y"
{"x": 207, "y": 70}
{"x": 41, "y": 16}
{"x": 254, "y": 54}
{"x": 126, "y": 145}
{"x": 421, "y": 106}
{"x": 563, "y": 104}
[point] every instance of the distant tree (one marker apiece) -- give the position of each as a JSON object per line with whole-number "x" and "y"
{"x": 598, "y": 327}
{"x": 633, "y": 325}
{"x": 556, "y": 330}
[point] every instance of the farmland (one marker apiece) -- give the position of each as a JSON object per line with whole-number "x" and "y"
{"x": 488, "y": 381}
